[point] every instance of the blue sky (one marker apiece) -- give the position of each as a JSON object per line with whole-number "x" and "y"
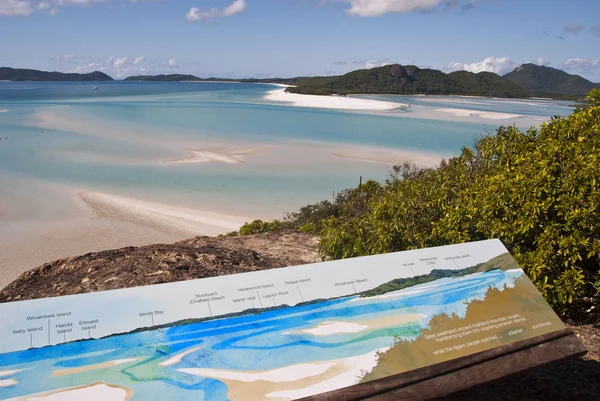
{"x": 265, "y": 38}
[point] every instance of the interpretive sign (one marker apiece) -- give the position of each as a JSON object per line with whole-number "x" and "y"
{"x": 278, "y": 334}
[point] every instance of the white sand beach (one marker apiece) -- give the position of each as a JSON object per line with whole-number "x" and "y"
{"x": 87, "y": 368}
{"x": 395, "y": 294}
{"x": 292, "y": 381}
{"x": 490, "y": 115}
{"x": 175, "y": 359}
{"x": 90, "y": 392}
{"x": 330, "y": 102}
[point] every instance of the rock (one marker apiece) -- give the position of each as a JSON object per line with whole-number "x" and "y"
{"x": 189, "y": 259}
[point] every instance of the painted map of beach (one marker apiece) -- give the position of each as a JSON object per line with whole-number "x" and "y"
{"x": 256, "y": 343}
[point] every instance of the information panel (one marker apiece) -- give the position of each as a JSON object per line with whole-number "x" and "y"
{"x": 279, "y": 334}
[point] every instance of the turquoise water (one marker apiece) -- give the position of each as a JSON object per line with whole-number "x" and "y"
{"x": 115, "y": 138}
{"x": 264, "y": 341}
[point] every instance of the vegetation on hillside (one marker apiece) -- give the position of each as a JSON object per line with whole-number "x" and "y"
{"x": 537, "y": 191}
{"x": 398, "y": 79}
{"x": 162, "y": 77}
{"x": 549, "y": 81}
{"x": 21, "y": 74}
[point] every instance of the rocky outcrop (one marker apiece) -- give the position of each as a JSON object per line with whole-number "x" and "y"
{"x": 194, "y": 258}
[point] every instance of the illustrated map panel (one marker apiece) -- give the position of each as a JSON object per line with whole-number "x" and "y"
{"x": 279, "y": 334}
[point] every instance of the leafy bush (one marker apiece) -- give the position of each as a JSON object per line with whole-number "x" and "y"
{"x": 259, "y": 226}
{"x": 537, "y": 191}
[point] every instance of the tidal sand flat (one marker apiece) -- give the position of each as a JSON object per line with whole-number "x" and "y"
{"x": 151, "y": 213}
{"x": 482, "y": 114}
{"x": 217, "y": 155}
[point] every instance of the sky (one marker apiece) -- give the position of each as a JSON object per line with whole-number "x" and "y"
{"x": 284, "y": 38}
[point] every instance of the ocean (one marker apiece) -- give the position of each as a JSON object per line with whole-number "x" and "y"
{"x": 132, "y": 163}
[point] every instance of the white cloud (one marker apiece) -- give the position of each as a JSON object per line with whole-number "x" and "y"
{"x": 585, "y": 64}
{"x": 138, "y": 60}
{"x": 172, "y": 63}
{"x": 118, "y": 63}
{"x": 541, "y": 61}
{"x": 573, "y": 28}
{"x": 15, "y": 7}
{"x": 366, "y": 64}
{"x": 234, "y": 8}
{"x": 195, "y": 14}
{"x": 375, "y": 8}
{"x": 499, "y": 65}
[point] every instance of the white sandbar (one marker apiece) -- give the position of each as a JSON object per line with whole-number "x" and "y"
{"x": 329, "y": 328}
{"x": 8, "y": 383}
{"x": 286, "y": 374}
{"x": 10, "y": 372}
{"x": 91, "y": 392}
{"x": 356, "y": 367}
{"x": 490, "y": 115}
{"x": 177, "y": 358}
{"x": 330, "y": 102}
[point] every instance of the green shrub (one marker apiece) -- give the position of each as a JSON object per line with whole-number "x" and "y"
{"x": 537, "y": 191}
{"x": 259, "y": 226}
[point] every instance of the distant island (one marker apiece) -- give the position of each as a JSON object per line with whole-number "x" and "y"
{"x": 21, "y": 74}
{"x": 549, "y": 81}
{"x": 527, "y": 80}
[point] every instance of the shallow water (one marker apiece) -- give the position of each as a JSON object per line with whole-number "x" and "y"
{"x": 60, "y": 139}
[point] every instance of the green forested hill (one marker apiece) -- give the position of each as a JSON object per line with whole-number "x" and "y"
{"x": 21, "y": 74}
{"x": 400, "y": 79}
{"x": 162, "y": 77}
{"x": 488, "y": 84}
{"x": 546, "y": 80}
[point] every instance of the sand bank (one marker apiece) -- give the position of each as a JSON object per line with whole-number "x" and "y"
{"x": 387, "y": 156}
{"x": 178, "y": 357}
{"x": 89, "y": 392}
{"x": 329, "y": 328}
{"x": 330, "y": 102}
{"x": 217, "y": 155}
{"x": 192, "y": 221}
{"x": 8, "y": 383}
{"x": 357, "y": 326}
{"x": 490, "y": 115}
{"x": 286, "y": 374}
{"x": 87, "y": 368}
{"x": 292, "y": 381}
{"x": 4, "y": 373}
